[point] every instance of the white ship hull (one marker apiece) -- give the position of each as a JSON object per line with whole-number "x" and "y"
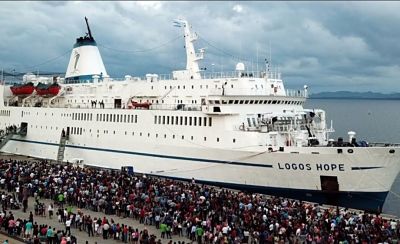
{"x": 239, "y": 129}
{"x": 364, "y": 176}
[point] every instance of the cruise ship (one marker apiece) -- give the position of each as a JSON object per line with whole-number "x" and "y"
{"x": 241, "y": 129}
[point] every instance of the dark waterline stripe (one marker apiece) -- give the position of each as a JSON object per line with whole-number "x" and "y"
{"x": 151, "y": 154}
{"x": 365, "y": 168}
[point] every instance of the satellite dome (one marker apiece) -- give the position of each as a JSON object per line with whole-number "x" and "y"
{"x": 240, "y": 67}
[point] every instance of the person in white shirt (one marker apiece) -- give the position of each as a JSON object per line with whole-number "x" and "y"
{"x": 50, "y": 210}
{"x": 68, "y": 226}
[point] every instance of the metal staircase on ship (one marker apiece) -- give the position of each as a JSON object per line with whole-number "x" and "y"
{"x": 5, "y": 136}
{"x": 61, "y": 147}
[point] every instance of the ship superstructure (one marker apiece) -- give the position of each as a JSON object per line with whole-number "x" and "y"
{"x": 239, "y": 129}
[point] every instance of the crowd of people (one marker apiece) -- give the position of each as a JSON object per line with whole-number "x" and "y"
{"x": 202, "y": 213}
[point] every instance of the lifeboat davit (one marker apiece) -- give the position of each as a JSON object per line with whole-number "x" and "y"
{"x": 47, "y": 89}
{"x": 22, "y": 89}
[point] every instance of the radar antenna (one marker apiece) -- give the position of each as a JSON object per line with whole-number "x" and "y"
{"x": 89, "y": 34}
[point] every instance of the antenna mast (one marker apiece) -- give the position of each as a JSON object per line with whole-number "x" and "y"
{"x": 89, "y": 32}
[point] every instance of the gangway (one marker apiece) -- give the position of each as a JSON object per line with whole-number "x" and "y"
{"x": 61, "y": 147}
{"x": 5, "y": 136}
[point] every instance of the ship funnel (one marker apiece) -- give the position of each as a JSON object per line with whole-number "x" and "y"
{"x": 85, "y": 60}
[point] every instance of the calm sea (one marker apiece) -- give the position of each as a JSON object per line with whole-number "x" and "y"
{"x": 373, "y": 121}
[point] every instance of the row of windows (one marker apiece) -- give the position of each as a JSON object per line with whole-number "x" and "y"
{"x": 182, "y": 120}
{"x": 126, "y": 118}
{"x": 255, "y": 102}
{"x": 78, "y": 131}
{"x": 82, "y": 116}
{"x": 5, "y": 113}
{"x": 123, "y": 118}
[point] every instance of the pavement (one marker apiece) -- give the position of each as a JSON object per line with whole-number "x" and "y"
{"x": 4, "y": 237}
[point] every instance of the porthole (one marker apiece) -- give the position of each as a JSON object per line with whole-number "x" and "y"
{"x": 391, "y": 151}
{"x": 350, "y": 150}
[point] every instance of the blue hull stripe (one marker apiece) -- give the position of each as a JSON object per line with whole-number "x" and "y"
{"x": 152, "y": 155}
{"x": 365, "y": 168}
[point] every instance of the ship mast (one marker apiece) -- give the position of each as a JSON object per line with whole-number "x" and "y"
{"x": 89, "y": 34}
{"x": 192, "y": 58}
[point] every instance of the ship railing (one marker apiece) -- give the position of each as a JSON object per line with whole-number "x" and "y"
{"x": 383, "y": 144}
{"x": 228, "y": 91}
{"x": 212, "y": 75}
{"x": 181, "y": 107}
{"x": 234, "y": 74}
{"x": 296, "y": 93}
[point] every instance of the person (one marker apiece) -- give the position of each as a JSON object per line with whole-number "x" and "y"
{"x": 199, "y": 234}
{"x": 49, "y": 235}
{"x": 28, "y": 229}
{"x": 50, "y": 210}
{"x": 89, "y": 226}
{"x": 68, "y": 226}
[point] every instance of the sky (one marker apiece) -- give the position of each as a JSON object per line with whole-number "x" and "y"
{"x": 329, "y": 46}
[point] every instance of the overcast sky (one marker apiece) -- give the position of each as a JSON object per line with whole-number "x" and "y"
{"x": 327, "y": 45}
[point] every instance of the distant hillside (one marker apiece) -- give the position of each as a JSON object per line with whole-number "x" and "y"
{"x": 355, "y": 95}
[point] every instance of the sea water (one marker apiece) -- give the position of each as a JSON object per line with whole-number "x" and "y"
{"x": 373, "y": 121}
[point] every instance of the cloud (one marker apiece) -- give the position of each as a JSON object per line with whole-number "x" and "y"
{"x": 328, "y": 45}
{"x": 237, "y": 8}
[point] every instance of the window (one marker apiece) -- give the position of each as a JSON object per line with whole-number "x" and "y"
{"x": 176, "y": 120}
{"x": 205, "y": 121}
{"x": 190, "y": 120}
{"x": 194, "y": 121}
{"x": 159, "y": 119}
{"x": 135, "y": 118}
{"x": 183, "y": 137}
{"x": 97, "y": 117}
{"x": 163, "y": 119}
{"x": 217, "y": 139}
{"x": 155, "y": 119}
{"x": 167, "y": 120}
{"x": 210, "y": 121}
{"x": 205, "y": 138}
{"x": 185, "y": 120}
{"x": 181, "y": 120}
{"x": 199, "y": 121}
{"x": 114, "y": 118}
{"x": 117, "y": 117}
{"x": 191, "y": 138}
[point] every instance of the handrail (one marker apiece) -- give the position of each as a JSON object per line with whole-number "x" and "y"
{"x": 383, "y": 144}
